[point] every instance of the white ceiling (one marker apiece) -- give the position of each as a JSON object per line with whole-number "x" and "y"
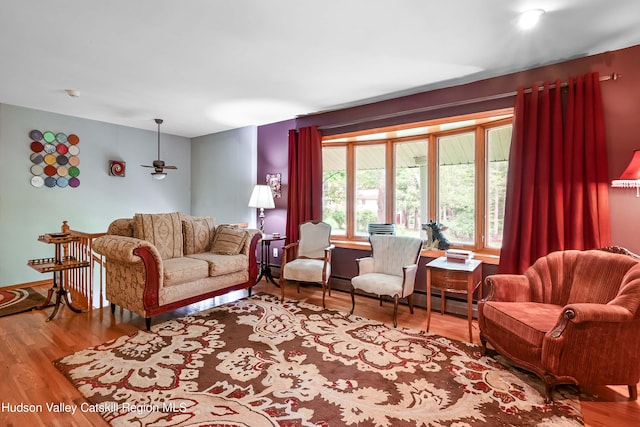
{"x": 209, "y": 65}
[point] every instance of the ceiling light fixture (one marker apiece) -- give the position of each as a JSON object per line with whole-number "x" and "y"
{"x": 72, "y": 93}
{"x": 530, "y": 18}
{"x": 158, "y": 164}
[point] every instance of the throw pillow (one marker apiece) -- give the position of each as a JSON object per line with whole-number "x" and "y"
{"x": 198, "y": 233}
{"x": 229, "y": 240}
{"x": 164, "y": 231}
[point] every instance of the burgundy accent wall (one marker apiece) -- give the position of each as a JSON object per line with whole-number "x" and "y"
{"x": 621, "y": 100}
{"x": 273, "y": 148}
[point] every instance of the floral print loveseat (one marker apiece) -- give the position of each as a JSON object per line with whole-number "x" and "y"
{"x": 159, "y": 262}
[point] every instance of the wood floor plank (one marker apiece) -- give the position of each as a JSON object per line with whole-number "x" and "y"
{"x": 30, "y": 345}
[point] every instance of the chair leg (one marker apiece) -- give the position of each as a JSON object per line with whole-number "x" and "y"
{"x": 395, "y": 311}
{"x": 282, "y": 281}
{"x": 353, "y": 299}
{"x": 410, "y": 301}
{"x": 483, "y": 341}
{"x": 324, "y": 291}
{"x": 147, "y": 323}
{"x": 113, "y": 308}
{"x": 633, "y": 391}
{"x": 380, "y": 300}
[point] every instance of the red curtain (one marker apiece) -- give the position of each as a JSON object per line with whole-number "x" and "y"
{"x": 305, "y": 179}
{"x": 557, "y": 191}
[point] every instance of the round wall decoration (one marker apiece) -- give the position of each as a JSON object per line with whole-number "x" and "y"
{"x": 36, "y": 135}
{"x": 37, "y": 146}
{"x": 37, "y": 181}
{"x": 49, "y": 136}
{"x": 54, "y": 158}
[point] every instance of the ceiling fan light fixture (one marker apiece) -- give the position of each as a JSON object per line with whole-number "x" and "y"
{"x": 159, "y": 175}
{"x": 158, "y": 164}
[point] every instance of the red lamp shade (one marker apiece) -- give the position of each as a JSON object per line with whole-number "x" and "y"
{"x": 630, "y": 178}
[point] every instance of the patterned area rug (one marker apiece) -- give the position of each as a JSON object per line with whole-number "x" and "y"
{"x": 19, "y": 300}
{"x": 257, "y": 362}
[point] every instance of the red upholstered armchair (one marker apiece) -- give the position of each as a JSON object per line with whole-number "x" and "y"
{"x": 573, "y": 317}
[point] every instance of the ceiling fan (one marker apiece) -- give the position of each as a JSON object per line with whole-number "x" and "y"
{"x": 159, "y": 165}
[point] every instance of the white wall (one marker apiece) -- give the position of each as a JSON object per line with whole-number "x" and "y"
{"x": 223, "y": 173}
{"x": 26, "y": 211}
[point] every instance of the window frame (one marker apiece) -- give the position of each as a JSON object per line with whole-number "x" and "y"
{"x": 353, "y": 139}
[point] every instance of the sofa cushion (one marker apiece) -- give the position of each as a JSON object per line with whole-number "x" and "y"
{"x": 528, "y": 320}
{"x": 183, "y": 270}
{"x": 223, "y": 264}
{"x": 164, "y": 231}
{"x": 228, "y": 240}
{"x": 522, "y": 325}
{"x": 198, "y": 233}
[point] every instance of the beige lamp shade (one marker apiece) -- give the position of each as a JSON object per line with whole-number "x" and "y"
{"x": 261, "y": 198}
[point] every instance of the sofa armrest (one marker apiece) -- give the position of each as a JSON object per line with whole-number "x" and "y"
{"x": 249, "y": 249}
{"x": 589, "y": 312}
{"x": 121, "y": 248}
{"x": 508, "y": 288}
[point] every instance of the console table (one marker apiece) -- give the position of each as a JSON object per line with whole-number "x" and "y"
{"x": 58, "y": 265}
{"x": 457, "y": 277}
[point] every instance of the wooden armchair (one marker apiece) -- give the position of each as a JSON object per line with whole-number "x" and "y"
{"x": 308, "y": 259}
{"x": 390, "y": 270}
{"x": 573, "y": 317}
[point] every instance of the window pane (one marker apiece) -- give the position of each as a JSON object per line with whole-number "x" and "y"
{"x": 498, "y": 143}
{"x": 457, "y": 187}
{"x": 370, "y": 187}
{"x": 334, "y": 188}
{"x": 411, "y": 187}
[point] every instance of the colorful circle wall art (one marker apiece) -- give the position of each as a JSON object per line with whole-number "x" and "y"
{"x": 54, "y": 159}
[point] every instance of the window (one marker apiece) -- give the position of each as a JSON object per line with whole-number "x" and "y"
{"x": 451, "y": 171}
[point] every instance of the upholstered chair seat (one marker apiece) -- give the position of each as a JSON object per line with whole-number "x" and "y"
{"x": 389, "y": 271}
{"x": 573, "y": 317}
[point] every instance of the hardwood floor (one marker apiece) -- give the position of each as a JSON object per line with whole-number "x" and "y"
{"x": 30, "y": 344}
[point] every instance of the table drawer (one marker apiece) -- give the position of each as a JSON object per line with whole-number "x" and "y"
{"x": 449, "y": 279}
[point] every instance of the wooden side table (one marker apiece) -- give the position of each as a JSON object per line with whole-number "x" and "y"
{"x": 265, "y": 256}
{"x": 58, "y": 265}
{"x": 457, "y": 277}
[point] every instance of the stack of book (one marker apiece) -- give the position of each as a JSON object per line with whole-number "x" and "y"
{"x": 458, "y": 255}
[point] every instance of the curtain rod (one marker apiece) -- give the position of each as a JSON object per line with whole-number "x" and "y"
{"x": 612, "y": 76}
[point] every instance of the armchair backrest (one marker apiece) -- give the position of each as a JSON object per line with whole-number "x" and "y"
{"x": 573, "y": 276}
{"x": 314, "y": 238}
{"x": 391, "y": 253}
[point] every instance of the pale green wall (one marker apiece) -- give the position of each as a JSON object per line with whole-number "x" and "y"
{"x": 223, "y": 174}
{"x": 215, "y": 176}
{"x": 26, "y": 211}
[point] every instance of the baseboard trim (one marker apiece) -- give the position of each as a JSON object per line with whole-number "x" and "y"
{"x": 37, "y": 284}
{"x": 452, "y": 305}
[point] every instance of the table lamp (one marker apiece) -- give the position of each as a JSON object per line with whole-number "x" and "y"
{"x": 262, "y": 198}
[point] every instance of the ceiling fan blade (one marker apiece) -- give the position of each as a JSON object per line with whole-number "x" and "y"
{"x": 170, "y": 167}
{"x": 147, "y": 166}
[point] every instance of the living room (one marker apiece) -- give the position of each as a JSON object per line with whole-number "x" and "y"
{"x": 216, "y": 172}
